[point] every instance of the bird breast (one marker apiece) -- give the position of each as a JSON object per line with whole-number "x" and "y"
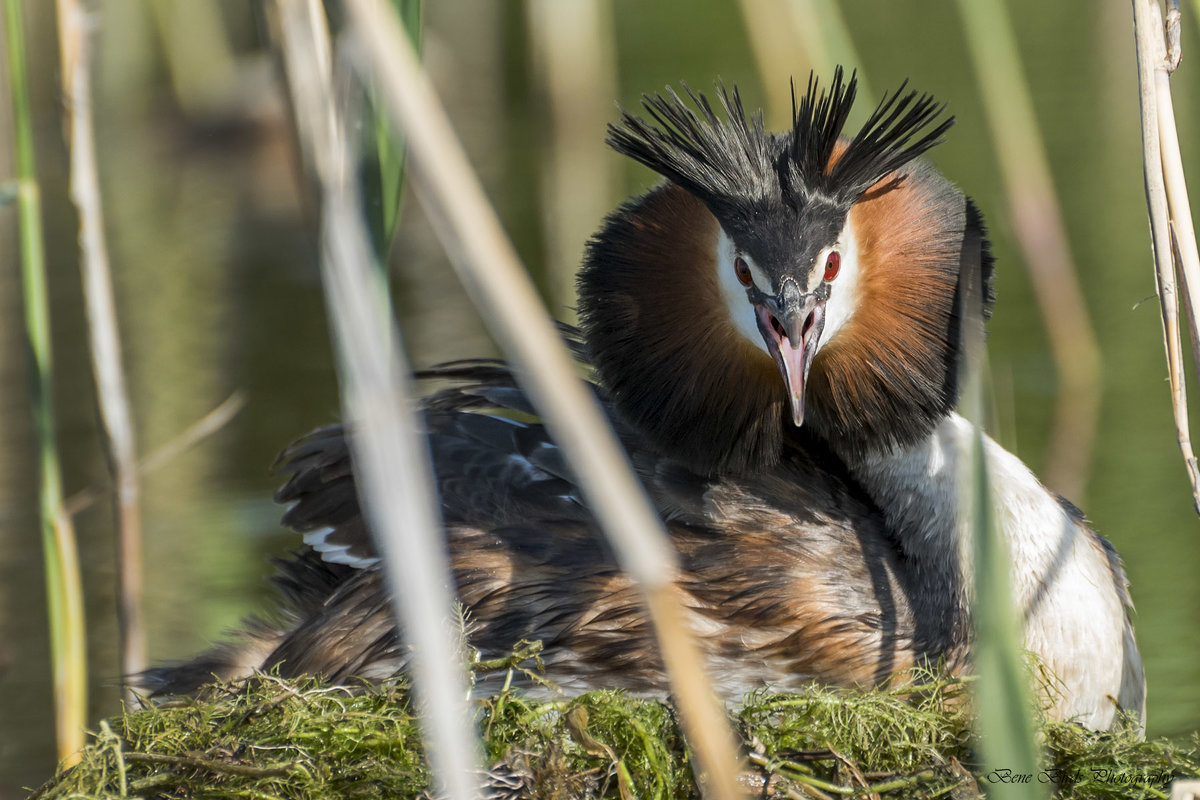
{"x": 1069, "y": 587}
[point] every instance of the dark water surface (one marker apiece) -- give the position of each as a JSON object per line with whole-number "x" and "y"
{"x": 218, "y": 292}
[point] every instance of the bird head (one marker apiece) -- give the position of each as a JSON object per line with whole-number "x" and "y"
{"x": 767, "y": 253}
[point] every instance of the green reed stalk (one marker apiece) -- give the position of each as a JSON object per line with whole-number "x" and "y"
{"x": 1042, "y": 236}
{"x": 64, "y": 590}
{"x": 1004, "y": 723}
{"x": 385, "y": 190}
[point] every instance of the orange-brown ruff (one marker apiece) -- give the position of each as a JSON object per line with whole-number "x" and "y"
{"x": 775, "y": 334}
{"x": 680, "y": 371}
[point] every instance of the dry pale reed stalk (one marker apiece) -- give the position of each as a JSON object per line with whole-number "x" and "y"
{"x": 1164, "y": 180}
{"x": 573, "y": 63}
{"x": 490, "y": 270}
{"x": 103, "y": 337}
{"x": 395, "y": 480}
{"x": 789, "y": 38}
{"x": 167, "y": 452}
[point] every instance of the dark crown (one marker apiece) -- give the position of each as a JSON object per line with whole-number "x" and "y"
{"x": 736, "y": 160}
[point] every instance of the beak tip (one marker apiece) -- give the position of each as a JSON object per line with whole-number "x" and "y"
{"x": 798, "y": 411}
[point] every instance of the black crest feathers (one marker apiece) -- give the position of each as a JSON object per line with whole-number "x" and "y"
{"x": 883, "y": 144}
{"x": 713, "y": 159}
{"x": 733, "y": 161}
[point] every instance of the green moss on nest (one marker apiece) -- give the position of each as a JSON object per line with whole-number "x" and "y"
{"x": 272, "y": 738}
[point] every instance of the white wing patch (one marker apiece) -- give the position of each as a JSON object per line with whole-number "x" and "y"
{"x": 335, "y": 553}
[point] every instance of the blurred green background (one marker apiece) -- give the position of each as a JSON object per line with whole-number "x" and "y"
{"x": 214, "y": 255}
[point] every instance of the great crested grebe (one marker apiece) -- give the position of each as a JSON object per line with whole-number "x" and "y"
{"x": 776, "y": 331}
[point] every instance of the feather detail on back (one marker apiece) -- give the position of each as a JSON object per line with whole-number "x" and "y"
{"x": 786, "y": 577}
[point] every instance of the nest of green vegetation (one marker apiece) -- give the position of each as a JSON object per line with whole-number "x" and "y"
{"x": 271, "y": 738}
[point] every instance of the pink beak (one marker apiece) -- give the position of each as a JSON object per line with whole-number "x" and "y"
{"x": 791, "y": 341}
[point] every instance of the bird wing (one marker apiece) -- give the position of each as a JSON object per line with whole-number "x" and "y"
{"x": 494, "y": 462}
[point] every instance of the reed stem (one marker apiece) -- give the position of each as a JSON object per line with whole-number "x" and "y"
{"x": 1153, "y": 89}
{"x": 1004, "y": 724}
{"x": 1041, "y": 234}
{"x": 113, "y": 398}
{"x": 574, "y": 62}
{"x": 64, "y": 586}
{"x": 394, "y": 476}
{"x": 500, "y": 288}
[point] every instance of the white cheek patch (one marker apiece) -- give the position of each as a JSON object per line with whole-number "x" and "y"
{"x": 734, "y": 293}
{"x": 843, "y": 297}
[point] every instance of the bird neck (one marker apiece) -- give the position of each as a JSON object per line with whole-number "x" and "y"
{"x": 1067, "y": 583}
{"x": 917, "y": 489}
{"x": 920, "y": 490}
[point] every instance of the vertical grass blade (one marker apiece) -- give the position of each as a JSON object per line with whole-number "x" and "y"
{"x": 196, "y": 51}
{"x": 1042, "y": 237}
{"x": 792, "y": 37}
{"x": 1004, "y": 711}
{"x": 827, "y": 40}
{"x": 383, "y": 172}
{"x": 112, "y": 396}
{"x": 64, "y": 586}
{"x": 396, "y": 485}
{"x": 490, "y": 270}
{"x": 395, "y": 480}
{"x": 1004, "y": 721}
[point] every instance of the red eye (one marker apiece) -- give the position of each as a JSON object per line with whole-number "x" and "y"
{"x": 743, "y": 271}
{"x": 833, "y": 263}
